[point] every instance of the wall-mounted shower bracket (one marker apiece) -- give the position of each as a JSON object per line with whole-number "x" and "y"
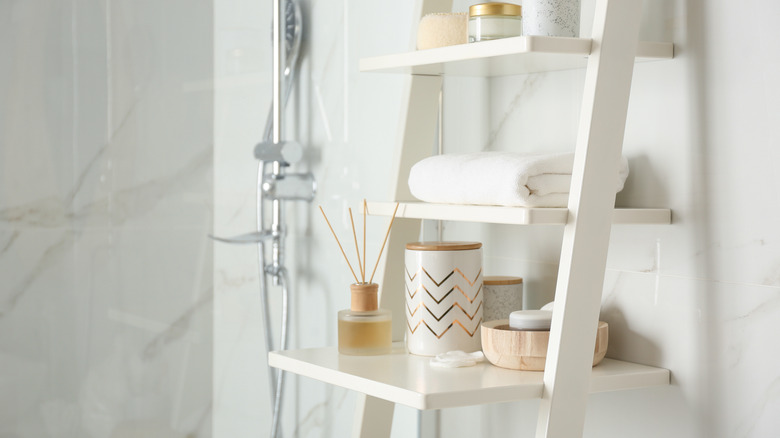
{"x": 286, "y": 152}
{"x": 290, "y": 186}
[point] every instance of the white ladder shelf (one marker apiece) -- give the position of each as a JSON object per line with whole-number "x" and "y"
{"x": 608, "y": 57}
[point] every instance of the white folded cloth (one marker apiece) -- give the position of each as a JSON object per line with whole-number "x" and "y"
{"x": 498, "y": 178}
{"x": 457, "y": 359}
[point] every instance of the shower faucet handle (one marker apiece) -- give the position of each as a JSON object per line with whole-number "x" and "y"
{"x": 287, "y": 152}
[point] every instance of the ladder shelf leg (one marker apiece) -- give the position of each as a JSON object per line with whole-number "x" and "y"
{"x": 591, "y": 204}
{"x": 373, "y": 417}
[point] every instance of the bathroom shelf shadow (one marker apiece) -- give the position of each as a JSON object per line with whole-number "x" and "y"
{"x": 407, "y": 379}
{"x": 511, "y": 215}
{"x": 503, "y": 57}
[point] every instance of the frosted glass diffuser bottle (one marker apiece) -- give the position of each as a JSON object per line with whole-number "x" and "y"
{"x": 364, "y": 328}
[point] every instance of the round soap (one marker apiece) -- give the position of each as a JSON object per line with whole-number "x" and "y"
{"x": 530, "y": 319}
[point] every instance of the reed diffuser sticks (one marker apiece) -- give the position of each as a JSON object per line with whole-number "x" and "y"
{"x": 339, "y": 243}
{"x": 361, "y": 264}
{"x": 365, "y": 210}
{"x": 357, "y": 250}
{"x": 384, "y": 242}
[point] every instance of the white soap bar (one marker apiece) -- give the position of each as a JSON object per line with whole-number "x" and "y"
{"x": 530, "y": 319}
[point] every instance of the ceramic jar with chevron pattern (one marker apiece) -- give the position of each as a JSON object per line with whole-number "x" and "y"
{"x": 443, "y": 297}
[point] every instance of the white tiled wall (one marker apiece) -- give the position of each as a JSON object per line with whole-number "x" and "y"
{"x": 105, "y": 203}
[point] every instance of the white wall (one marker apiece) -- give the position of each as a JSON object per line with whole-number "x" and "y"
{"x": 105, "y": 202}
{"x": 699, "y": 297}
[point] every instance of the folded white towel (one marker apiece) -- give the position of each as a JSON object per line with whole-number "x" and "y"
{"x": 498, "y": 178}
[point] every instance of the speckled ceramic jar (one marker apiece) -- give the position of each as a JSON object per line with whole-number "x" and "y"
{"x": 503, "y": 295}
{"x": 551, "y": 18}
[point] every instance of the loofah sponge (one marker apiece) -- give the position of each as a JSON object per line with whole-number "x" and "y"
{"x": 439, "y": 30}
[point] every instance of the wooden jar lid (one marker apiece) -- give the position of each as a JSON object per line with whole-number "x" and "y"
{"x": 443, "y": 246}
{"x": 501, "y": 280}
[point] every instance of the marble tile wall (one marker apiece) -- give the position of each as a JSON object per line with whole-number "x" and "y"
{"x": 105, "y": 203}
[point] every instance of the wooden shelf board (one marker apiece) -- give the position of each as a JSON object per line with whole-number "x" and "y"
{"x": 507, "y": 56}
{"x": 510, "y": 215}
{"x": 410, "y": 380}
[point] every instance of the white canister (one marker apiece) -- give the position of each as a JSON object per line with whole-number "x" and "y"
{"x": 443, "y": 297}
{"x": 551, "y": 18}
{"x": 503, "y": 295}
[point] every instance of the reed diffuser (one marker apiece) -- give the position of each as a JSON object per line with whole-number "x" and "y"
{"x": 364, "y": 328}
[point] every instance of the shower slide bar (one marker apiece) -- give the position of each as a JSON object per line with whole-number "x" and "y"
{"x": 277, "y": 186}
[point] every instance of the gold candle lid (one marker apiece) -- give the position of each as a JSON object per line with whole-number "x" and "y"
{"x": 364, "y": 297}
{"x": 495, "y": 8}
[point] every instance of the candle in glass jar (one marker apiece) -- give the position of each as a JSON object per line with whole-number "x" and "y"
{"x": 490, "y": 21}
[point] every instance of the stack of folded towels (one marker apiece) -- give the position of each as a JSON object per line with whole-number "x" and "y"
{"x": 498, "y": 178}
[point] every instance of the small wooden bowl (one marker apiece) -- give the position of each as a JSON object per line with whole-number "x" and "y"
{"x": 527, "y": 350}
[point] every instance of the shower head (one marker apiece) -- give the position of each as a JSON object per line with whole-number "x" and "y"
{"x": 293, "y": 29}
{"x": 293, "y": 24}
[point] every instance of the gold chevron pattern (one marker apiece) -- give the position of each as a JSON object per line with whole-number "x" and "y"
{"x": 470, "y": 300}
{"x": 471, "y": 283}
{"x": 439, "y": 283}
{"x": 439, "y": 335}
{"x": 441, "y": 324}
{"x": 438, "y": 318}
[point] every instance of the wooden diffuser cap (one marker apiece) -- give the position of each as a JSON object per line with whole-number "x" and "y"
{"x": 365, "y": 297}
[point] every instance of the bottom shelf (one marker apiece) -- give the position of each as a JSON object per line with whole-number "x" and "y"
{"x": 407, "y": 379}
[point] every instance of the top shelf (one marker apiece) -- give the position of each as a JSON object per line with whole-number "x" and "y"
{"x": 503, "y": 57}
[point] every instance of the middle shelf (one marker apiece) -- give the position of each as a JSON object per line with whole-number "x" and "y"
{"x": 410, "y": 380}
{"x": 511, "y": 215}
